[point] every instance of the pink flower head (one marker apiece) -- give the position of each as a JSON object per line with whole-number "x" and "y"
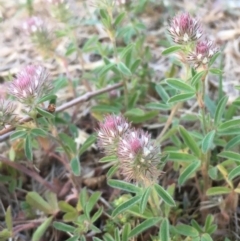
{"x": 184, "y": 29}
{"x": 33, "y": 25}
{"x": 7, "y": 117}
{"x": 138, "y": 157}
{"x": 203, "y": 53}
{"x": 30, "y": 85}
{"x": 110, "y": 132}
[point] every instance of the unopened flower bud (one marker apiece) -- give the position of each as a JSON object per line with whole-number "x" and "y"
{"x": 184, "y": 29}
{"x": 110, "y": 132}
{"x": 30, "y": 85}
{"x": 204, "y": 51}
{"x": 138, "y": 157}
{"x": 7, "y": 116}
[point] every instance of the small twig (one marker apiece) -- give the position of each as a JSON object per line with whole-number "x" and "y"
{"x": 30, "y": 173}
{"x": 5, "y": 133}
{"x": 168, "y": 122}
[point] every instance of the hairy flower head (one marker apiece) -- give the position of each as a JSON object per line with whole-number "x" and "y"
{"x": 31, "y": 84}
{"x": 204, "y": 51}
{"x": 138, "y": 157}
{"x": 7, "y": 116}
{"x": 184, "y": 29}
{"x": 33, "y": 24}
{"x": 110, "y": 132}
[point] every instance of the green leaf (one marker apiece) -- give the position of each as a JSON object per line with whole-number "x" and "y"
{"x": 69, "y": 142}
{"x": 105, "y": 69}
{"x": 234, "y": 173}
{"x": 8, "y": 219}
{"x": 206, "y": 237}
{"x": 5, "y": 235}
{"x": 162, "y": 93}
{"x": 125, "y": 206}
{"x": 124, "y": 69}
{"x": 157, "y": 106}
{"x": 108, "y": 237}
{"x": 75, "y": 166}
{"x": 44, "y": 113}
{"x": 92, "y": 202}
{"x": 166, "y": 197}
{"x": 125, "y": 186}
{"x": 108, "y": 159}
{"x": 178, "y": 84}
{"x": 40, "y": 231}
{"x": 112, "y": 171}
{"x": 230, "y": 155}
{"x": 38, "y": 132}
{"x": 135, "y": 65}
{"x": 76, "y": 238}
{"x": 28, "y": 148}
{"x": 196, "y": 226}
{"x": 189, "y": 141}
{"x": 52, "y": 200}
{"x": 216, "y": 71}
{"x": 94, "y": 239}
{"x": 181, "y": 97}
{"x": 183, "y": 157}
{"x": 144, "y": 226}
{"x": 229, "y": 124}
{"x": 97, "y": 215}
{"x": 233, "y": 142}
{"x": 18, "y": 134}
{"x": 144, "y": 199}
{"x": 119, "y": 19}
{"x": 71, "y": 48}
{"x": 213, "y": 59}
{"x": 125, "y": 51}
{"x": 90, "y": 140}
{"x": 37, "y": 202}
{"x": 90, "y": 44}
{"x": 126, "y": 231}
{"x": 133, "y": 99}
{"x": 197, "y": 77}
{"x": 134, "y": 112}
{"x": 164, "y": 230}
{"x": 105, "y": 109}
{"x": 220, "y": 110}
{"x": 63, "y": 227}
{"x": 189, "y": 170}
{"x": 186, "y": 230}
{"x": 212, "y": 229}
{"x": 171, "y": 49}
{"x": 138, "y": 117}
{"x": 218, "y": 191}
{"x": 47, "y": 97}
{"x": 208, "y": 222}
{"x": 66, "y": 207}
{"x": 208, "y": 141}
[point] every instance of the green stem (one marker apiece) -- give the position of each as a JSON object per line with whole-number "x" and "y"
{"x": 113, "y": 40}
{"x": 203, "y": 107}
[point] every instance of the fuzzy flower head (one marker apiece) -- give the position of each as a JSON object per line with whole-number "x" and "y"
{"x": 7, "y": 116}
{"x": 184, "y": 29}
{"x": 204, "y": 51}
{"x": 59, "y": 9}
{"x": 138, "y": 157}
{"x": 33, "y": 25}
{"x": 110, "y": 132}
{"x": 30, "y": 85}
